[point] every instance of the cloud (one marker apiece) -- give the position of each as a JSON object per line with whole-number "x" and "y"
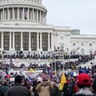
{"x": 75, "y": 13}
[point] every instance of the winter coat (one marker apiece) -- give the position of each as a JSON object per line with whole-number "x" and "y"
{"x": 85, "y": 91}
{"x": 17, "y": 90}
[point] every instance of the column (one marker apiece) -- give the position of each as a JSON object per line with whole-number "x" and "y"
{"x": 13, "y": 40}
{"x": 28, "y": 14}
{"x": 37, "y": 41}
{"x": 23, "y": 14}
{"x": 10, "y": 42}
{"x": 52, "y": 45}
{"x": 13, "y": 13}
{"x": 41, "y": 41}
{"x": 37, "y": 15}
{"x": 2, "y": 41}
{"x": 45, "y": 18}
{"x": 30, "y": 11}
{"x": 48, "y": 41}
{"x": 21, "y": 41}
{"x": 40, "y": 16}
{"x": 33, "y": 14}
{"x": 8, "y": 14}
{"x": 29, "y": 41}
{"x": 18, "y": 14}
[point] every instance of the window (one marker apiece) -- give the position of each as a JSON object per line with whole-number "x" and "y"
{"x": 6, "y": 40}
{"x": 20, "y": 13}
{"x": 82, "y": 44}
{"x": 10, "y": 11}
{"x": 34, "y": 41}
{"x": 38, "y": 15}
{"x": 90, "y": 44}
{"x": 15, "y": 11}
{"x": 25, "y": 41}
{"x": 17, "y": 40}
{"x": 35, "y": 13}
{"x": 74, "y": 44}
{"x": 45, "y": 41}
{"x": 25, "y": 13}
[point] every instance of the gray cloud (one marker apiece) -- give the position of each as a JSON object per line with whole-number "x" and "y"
{"x": 79, "y": 14}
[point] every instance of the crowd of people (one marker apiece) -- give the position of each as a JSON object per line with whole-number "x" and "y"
{"x": 81, "y": 82}
{"x": 40, "y": 55}
{"x": 76, "y": 82}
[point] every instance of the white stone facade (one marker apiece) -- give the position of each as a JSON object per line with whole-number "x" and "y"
{"x": 23, "y": 27}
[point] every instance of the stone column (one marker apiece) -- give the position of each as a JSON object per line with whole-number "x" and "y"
{"x": 21, "y": 41}
{"x": 29, "y": 41}
{"x": 44, "y": 17}
{"x": 37, "y": 15}
{"x": 40, "y": 41}
{"x": 33, "y": 14}
{"x": 13, "y": 13}
{"x": 10, "y": 42}
{"x": 52, "y": 45}
{"x": 23, "y": 14}
{"x": 28, "y": 14}
{"x": 37, "y": 41}
{"x": 13, "y": 40}
{"x": 2, "y": 41}
{"x": 40, "y": 16}
{"x": 48, "y": 41}
{"x": 18, "y": 14}
{"x": 8, "y": 14}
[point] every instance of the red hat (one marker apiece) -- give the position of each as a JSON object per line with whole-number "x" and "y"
{"x": 84, "y": 78}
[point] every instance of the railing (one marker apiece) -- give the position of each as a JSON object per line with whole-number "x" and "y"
{"x": 14, "y": 1}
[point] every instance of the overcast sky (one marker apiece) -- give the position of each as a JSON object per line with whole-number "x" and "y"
{"x": 79, "y": 14}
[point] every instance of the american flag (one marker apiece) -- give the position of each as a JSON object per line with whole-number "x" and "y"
{"x": 25, "y": 14}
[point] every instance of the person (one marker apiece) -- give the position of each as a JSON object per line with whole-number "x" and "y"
{"x": 4, "y": 88}
{"x": 17, "y": 89}
{"x": 94, "y": 86}
{"x": 28, "y": 86}
{"x": 55, "y": 91}
{"x": 84, "y": 84}
{"x": 44, "y": 87}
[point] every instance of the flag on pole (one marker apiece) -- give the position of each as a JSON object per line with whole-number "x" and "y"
{"x": 63, "y": 81}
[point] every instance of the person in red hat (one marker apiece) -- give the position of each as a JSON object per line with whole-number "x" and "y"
{"x": 84, "y": 84}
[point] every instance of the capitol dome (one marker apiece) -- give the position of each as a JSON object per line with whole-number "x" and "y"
{"x": 22, "y": 10}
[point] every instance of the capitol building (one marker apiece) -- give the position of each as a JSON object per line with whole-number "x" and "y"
{"x": 23, "y": 28}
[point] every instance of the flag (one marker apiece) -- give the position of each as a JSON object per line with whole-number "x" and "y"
{"x": 63, "y": 81}
{"x": 25, "y": 14}
{"x": 31, "y": 70}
